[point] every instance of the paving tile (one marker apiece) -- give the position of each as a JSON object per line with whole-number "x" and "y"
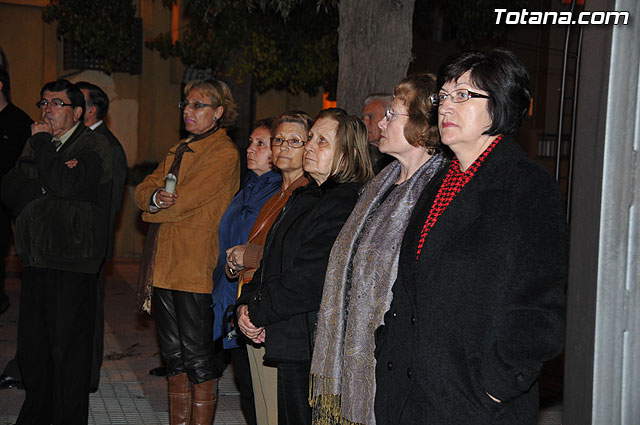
{"x": 121, "y": 398}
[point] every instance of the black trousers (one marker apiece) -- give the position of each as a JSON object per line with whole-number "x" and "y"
{"x": 97, "y": 349}
{"x": 293, "y": 393}
{"x": 12, "y": 369}
{"x": 5, "y": 238}
{"x": 185, "y": 333}
{"x": 55, "y": 334}
{"x": 242, "y": 375}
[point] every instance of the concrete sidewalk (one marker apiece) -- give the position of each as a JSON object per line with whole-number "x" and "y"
{"x": 127, "y": 393}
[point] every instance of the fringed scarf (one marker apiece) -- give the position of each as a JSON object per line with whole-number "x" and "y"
{"x": 357, "y": 293}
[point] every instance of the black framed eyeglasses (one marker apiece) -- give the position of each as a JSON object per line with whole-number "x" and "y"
{"x": 292, "y": 143}
{"x": 56, "y": 103}
{"x": 193, "y": 105}
{"x": 456, "y": 96}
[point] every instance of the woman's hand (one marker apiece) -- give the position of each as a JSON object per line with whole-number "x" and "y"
{"x": 165, "y": 199}
{"x": 260, "y": 338}
{"x": 235, "y": 257}
{"x": 246, "y": 327}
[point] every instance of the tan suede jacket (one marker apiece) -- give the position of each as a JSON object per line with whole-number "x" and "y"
{"x": 187, "y": 248}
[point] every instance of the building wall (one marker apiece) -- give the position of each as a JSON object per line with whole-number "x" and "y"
{"x": 143, "y": 111}
{"x": 273, "y": 103}
{"x": 30, "y": 47}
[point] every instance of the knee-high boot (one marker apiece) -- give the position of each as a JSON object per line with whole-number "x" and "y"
{"x": 179, "y": 400}
{"x": 205, "y": 398}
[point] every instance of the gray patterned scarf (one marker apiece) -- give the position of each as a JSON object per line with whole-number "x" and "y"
{"x": 357, "y": 293}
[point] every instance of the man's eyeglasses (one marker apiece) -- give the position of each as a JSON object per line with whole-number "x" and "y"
{"x": 457, "y": 96}
{"x": 293, "y": 143}
{"x": 56, "y": 103}
{"x": 193, "y": 105}
{"x": 389, "y": 114}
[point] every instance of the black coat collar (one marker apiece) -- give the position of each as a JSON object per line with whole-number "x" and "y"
{"x": 318, "y": 190}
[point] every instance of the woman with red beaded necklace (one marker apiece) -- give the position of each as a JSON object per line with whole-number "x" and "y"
{"x": 479, "y": 300}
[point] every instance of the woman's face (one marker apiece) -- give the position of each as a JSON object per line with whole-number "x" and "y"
{"x": 259, "y": 151}
{"x": 201, "y": 120}
{"x": 392, "y": 140}
{"x": 461, "y": 124}
{"x": 289, "y": 159}
{"x": 320, "y": 149}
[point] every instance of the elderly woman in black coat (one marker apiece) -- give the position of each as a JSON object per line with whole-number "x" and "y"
{"x": 479, "y": 302}
{"x": 279, "y": 306}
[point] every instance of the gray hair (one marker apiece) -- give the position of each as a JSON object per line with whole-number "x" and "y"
{"x": 385, "y": 98}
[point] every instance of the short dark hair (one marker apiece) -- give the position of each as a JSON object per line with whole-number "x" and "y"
{"x": 415, "y": 93}
{"x": 97, "y": 98}
{"x": 503, "y": 76}
{"x": 355, "y": 164}
{"x": 6, "y": 83}
{"x": 73, "y": 92}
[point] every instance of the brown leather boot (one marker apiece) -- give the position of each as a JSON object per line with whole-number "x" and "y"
{"x": 205, "y": 398}
{"x": 179, "y": 400}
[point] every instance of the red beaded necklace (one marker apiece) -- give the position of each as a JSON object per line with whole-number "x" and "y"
{"x": 453, "y": 183}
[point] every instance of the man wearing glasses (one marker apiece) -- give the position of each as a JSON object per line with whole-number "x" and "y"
{"x": 60, "y": 191}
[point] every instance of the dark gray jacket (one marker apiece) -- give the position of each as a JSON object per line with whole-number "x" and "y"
{"x": 119, "y": 172}
{"x": 62, "y": 213}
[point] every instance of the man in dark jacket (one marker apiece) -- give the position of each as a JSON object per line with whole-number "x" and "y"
{"x": 97, "y": 107}
{"x": 60, "y": 191}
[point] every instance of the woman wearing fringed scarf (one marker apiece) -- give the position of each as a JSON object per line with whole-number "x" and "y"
{"x": 364, "y": 260}
{"x": 479, "y": 301}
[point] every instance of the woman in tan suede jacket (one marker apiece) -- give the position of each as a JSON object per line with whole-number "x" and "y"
{"x": 181, "y": 247}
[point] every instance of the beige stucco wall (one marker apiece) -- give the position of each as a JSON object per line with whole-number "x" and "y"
{"x": 272, "y": 103}
{"x": 30, "y": 47}
{"x": 143, "y": 111}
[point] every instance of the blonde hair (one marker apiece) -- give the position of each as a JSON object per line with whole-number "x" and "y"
{"x": 220, "y": 95}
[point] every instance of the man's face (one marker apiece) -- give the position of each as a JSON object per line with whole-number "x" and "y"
{"x": 372, "y": 113}
{"x": 60, "y": 119}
